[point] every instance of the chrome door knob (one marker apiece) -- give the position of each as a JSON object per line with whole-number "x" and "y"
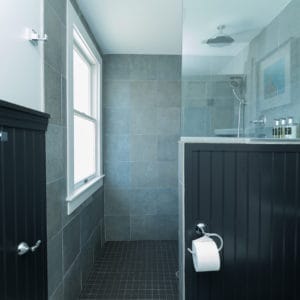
{"x": 37, "y": 244}
{"x": 23, "y": 247}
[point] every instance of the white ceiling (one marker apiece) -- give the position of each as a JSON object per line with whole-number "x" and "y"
{"x": 243, "y": 19}
{"x": 135, "y": 26}
{"x": 155, "y": 27}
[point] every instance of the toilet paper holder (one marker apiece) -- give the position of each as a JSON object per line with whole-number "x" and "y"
{"x": 200, "y": 229}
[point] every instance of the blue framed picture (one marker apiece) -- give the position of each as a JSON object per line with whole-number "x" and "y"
{"x": 274, "y": 78}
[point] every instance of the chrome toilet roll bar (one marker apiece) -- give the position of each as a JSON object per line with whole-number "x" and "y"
{"x": 200, "y": 229}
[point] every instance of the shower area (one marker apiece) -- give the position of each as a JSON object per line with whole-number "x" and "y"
{"x": 240, "y": 72}
{"x": 238, "y": 161}
{"x": 214, "y": 105}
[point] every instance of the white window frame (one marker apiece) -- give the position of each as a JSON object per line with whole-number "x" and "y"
{"x": 78, "y": 37}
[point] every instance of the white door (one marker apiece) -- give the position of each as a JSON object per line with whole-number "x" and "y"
{"x": 21, "y": 62}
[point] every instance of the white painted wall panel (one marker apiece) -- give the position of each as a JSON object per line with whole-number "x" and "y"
{"x": 21, "y": 63}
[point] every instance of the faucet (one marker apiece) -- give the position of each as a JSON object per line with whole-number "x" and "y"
{"x": 262, "y": 120}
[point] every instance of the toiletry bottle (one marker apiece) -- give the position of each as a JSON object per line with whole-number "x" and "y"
{"x": 292, "y": 128}
{"x": 279, "y": 134}
{"x": 289, "y": 128}
{"x": 282, "y": 128}
{"x": 275, "y": 131}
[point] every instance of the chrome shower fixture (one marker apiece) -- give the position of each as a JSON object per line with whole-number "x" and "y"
{"x": 237, "y": 84}
{"x": 221, "y": 39}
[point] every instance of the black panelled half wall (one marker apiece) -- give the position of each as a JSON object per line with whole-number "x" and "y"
{"x": 22, "y": 203}
{"x": 249, "y": 194}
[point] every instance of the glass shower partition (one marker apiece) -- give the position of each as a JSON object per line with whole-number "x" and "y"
{"x": 240, "y": 71}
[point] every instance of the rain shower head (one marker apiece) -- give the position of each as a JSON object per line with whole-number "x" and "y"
{"x": 221, "y": 39}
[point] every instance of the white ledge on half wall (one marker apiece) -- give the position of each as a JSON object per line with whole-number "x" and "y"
{"x": 234, "y": 140}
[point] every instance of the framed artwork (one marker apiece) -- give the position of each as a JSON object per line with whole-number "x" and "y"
{"x": 274, "y": 77}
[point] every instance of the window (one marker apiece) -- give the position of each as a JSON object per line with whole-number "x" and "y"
{"x": 84, "y": 141}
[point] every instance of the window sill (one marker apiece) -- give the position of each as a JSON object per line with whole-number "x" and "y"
{"x": 83, "y": 193}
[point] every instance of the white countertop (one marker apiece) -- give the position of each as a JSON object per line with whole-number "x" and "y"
{"x": 233, "y": 140}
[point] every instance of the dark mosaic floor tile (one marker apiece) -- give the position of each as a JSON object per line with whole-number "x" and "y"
{"x": 143, "y": 270}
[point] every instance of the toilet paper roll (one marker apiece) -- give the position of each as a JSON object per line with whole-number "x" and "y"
{"x": 205, "y": 255}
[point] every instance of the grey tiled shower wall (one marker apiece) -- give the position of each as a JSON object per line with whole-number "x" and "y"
{"x": 282, "y": 32}
{"x": 205, "y": 109}
{"x": 73, "y": 241}
{"x": 207, "y": 104}
{"x": 142, "y": 99}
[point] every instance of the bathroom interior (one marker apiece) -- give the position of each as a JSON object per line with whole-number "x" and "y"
{"x": 149, "y": 149}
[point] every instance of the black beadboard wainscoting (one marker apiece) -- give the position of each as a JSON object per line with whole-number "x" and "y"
{"x": 22, "y": 203}
{"x": 249, "y": 194}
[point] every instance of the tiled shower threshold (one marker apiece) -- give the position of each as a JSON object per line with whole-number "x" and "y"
{"x": 134, "y": 270}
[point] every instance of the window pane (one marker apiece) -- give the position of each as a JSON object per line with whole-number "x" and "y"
{"x": 84, "y": 148}
{"x": 81, "y": 83}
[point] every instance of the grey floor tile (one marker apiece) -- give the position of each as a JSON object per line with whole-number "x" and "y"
{"x": 134, "y": 270}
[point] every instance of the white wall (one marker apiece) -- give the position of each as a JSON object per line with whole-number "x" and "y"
{"x": 21, "y": 67}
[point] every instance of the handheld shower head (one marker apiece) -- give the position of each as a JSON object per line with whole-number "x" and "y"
{"x": 238, "y": 89}
{"x": 237, "y": 85}
{"x": 236, "y": 82}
